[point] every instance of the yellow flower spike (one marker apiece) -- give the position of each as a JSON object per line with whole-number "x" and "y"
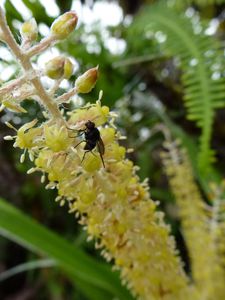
{"x": 64, "y": 25}
{"x": 115, "y": 152}
{"x": 105, "y": 110}
{"x": 120, "y": 228}
{"x": 28, "y": 126}
{"x": 65, "y": 166}
{"x": 111, "y": 203}
{"x": 27, "y": 136}
{"x": 88, "y": 197}
{"x": 92, "y": 162}
{"x": 121, "y": 169}
{"x": 56, "y": 138}
{"x": 44, "y": 159}
{"x": 66, "y": 190}
{"x": 94, "y": 113}
{"x": 108, "y": 135}
{"x": 205, "y": 261}
{"x": 121, "y": 193}
{"x": 73, "y": 178}
{"x": 57, "y": 170}
{"x": 85, "y": 199}
{"x": 93, "y": 228}
{"x": 60, "y": 168}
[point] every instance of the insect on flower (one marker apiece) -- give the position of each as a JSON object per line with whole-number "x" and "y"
{"x": 92, "y": 139}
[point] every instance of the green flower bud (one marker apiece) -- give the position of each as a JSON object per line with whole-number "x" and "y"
{"x": 86, "y": 82}
{"x": 64, "y": 25}
{"x": 59, "y": 67}
{"x": 29, "y": 30}
{"x": 68, "y": 68}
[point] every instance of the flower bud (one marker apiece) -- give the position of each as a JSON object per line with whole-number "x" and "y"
{"x": 64, "y": 25}
{"x": 68, "y": 68}
{"x": 29, "y": 30}
{"x": 13, "y": 106}
{"x": 59, "y": 67}
{"x": 8, "y": 138}
{"x": 86, "y": 82}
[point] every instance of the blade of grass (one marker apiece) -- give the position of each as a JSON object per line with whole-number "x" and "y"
{"x": 31, "y": 265}
{"x": 92, "y": 293}
{"x": 27, "y": 232}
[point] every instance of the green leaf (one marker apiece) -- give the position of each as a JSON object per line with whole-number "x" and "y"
{"x": 199, "y": 55}
{"x": 11, "y": 15}
{"x": 12, "y": 12}
{"x": 188, "y": 142}
{"x": 31, "y": 265}
{"x": 38, "y": 12}
{"x": 201, "y": 3}
{"x": 78, "y": 265}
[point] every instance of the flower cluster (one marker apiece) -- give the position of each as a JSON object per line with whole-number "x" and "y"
{"x": 111, "y": 202}
{"x": 199, "y": 224}
{"x": 109, "y": 199}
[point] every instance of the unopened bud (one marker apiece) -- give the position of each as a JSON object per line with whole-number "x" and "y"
{"x": 32, "y": 170}
{"x": 68, "y": 68}
{"x": 13, "y": 106}
{"x": 64, "y": 25}
{"x": 29, "y": 30}
{"x": 8, "y": 138}
{"x": 22, "y": 158}
{"x": 59, "y": 67}
{"x": 86, "y": 82}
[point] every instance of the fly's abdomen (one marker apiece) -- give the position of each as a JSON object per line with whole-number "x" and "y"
{"x": 90, "y": 145}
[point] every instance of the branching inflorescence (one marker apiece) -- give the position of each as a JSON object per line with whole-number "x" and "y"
{"x": 200, "y": 223}
{"x": 111, "y": 202}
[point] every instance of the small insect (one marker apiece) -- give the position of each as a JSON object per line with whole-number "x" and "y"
{"x": 92, "y": 139}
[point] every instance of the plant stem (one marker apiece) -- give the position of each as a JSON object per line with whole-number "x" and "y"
{"x": 27, "y": 66}
{"x": 43, "y": 45}
{"x": 66, "y": 96}
{"x": 8, "y": 87}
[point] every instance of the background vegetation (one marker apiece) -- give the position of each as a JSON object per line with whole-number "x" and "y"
{"x": 157, "y": 66}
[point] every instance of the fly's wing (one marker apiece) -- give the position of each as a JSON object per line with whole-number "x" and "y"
{"x": 101, "y": 149}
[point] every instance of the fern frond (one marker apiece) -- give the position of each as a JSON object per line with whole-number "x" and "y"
{"x": 200, "y": 3}
{"x": 199, "y": 55}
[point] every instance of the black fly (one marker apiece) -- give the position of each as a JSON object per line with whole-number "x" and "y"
{"x": 92, "y": 139}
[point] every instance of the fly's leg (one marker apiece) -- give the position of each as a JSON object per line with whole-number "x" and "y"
{"x": 102, "y": 159}
{"x": 75, "y": 136}
{"x": 79, "y": 144}
{"x": 81, "y": 132}
{"x": 84, "y": 155}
